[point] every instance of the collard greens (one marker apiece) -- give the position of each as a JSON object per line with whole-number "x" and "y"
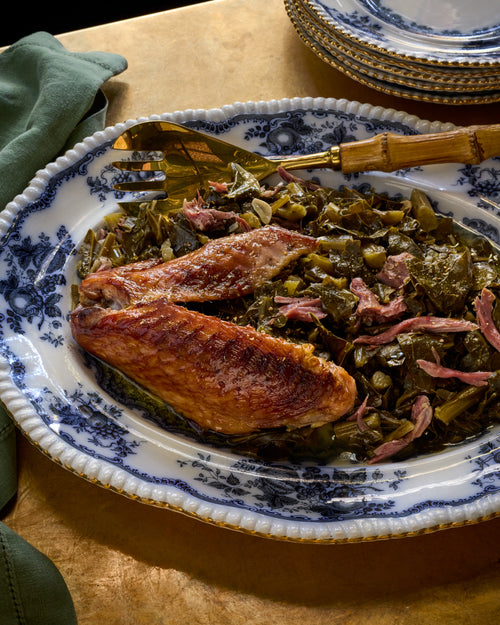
{"x": 442, "y": 270}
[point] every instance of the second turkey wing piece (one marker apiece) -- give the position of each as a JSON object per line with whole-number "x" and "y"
{"x": 225, "y": 377}
{"x": 223, "y": 268}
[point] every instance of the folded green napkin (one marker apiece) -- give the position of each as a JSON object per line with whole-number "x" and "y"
{"x": 50, "y": 99}
{"x": 32, "y": 590}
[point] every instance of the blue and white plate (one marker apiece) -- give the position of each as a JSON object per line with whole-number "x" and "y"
{"x": 411, "y": 83}
{"x": 439, "y": 76}
{"x": 61, "y": 402}
{"x": 430, "y": 51}
{"x": 432, "y": 30}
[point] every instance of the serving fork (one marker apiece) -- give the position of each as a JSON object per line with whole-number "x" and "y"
{"x": 192, "y": 160}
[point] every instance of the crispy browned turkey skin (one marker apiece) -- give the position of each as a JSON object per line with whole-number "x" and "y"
{"x": 224, "y": 268}
{"x": 227, "y": 378}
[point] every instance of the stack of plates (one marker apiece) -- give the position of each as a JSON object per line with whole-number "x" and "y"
{"x": 433, "y": 50}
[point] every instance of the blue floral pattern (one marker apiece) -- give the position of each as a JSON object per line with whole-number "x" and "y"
{"x": 66, "y": 394}
{"x": 381, "y": 10}
{"x": 386, "y": 26}
{"x": 30, "y": 299}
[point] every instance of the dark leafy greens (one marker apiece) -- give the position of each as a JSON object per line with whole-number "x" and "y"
{"x": 438, "y": 270}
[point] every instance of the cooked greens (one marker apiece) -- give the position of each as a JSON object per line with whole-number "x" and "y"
{"x": 391, "y": 294}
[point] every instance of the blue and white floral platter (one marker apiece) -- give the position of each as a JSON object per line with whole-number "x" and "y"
{"x": 57, "y": 402}
{"x": 458, "y": 32}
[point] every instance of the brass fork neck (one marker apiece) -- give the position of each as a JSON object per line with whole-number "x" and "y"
{"x": 328, "y": 160}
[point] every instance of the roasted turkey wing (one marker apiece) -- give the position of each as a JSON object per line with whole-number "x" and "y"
{"x": 225, "y": 377}
{"x": 223, "y": 268}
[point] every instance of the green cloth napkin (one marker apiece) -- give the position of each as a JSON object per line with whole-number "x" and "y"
{"x": 50, "y": 99}
{"x": 32, "y": 590}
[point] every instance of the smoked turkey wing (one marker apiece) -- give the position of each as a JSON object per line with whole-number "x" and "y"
{"x": 225, "y": 377}
{"x": 223, "y": 268}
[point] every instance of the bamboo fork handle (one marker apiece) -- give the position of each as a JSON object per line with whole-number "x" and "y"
{"x": 389, "y": 152}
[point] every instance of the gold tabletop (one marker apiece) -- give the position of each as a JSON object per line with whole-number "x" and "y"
{"x": 127, "y": 563}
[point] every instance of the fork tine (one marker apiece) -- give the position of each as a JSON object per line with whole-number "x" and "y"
{"x": 145, "y": 135}
{"x": 125, "y": 141}
{"x": 138, "y": 165}
{"x": 141, "y": 185}
{"x": 140, "y": 137}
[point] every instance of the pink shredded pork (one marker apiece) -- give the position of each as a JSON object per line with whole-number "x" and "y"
{"x": 436, "y": 370}
{"x": 369, "y": 306}
{"x": 288, "y": 177}
{"x": 300, "y": 308}
{"x": 358, "y": 415}
{"x": 484, "y": 310}
{"x": 416, "y": 324}
{"x": 421, "y": 416}
{"x": 394, "y": 272}
{"x": 204, "y": 219}
{"x": 219, "y": 187}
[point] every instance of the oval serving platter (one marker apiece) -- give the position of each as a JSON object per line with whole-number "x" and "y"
{"x": 60, "y": 403}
